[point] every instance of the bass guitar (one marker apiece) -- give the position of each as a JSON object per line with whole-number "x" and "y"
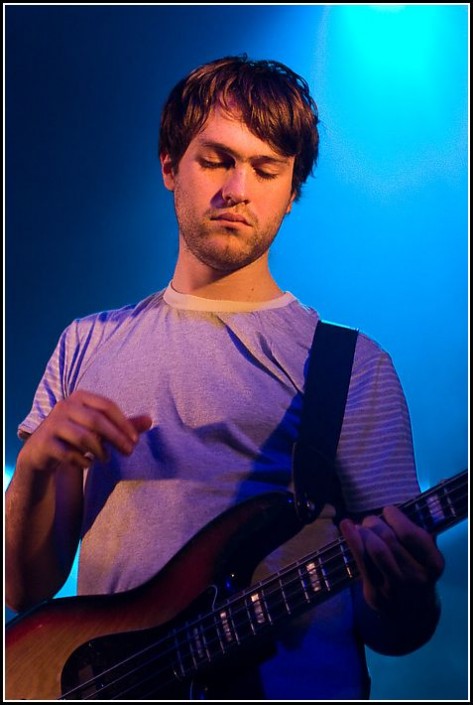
{"x": 157, "y": 640}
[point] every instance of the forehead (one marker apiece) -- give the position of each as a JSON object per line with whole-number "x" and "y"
{"x": 224, "y": 130}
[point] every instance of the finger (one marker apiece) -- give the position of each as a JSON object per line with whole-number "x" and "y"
{"x": 418, "y": 542}
{"x": 141, "y": 423}
{"x": 393, "y": 558}
{"x": 63, "y": 454}
{"x": 98, "y": 423}
{"x": 397, "y": 563}
{"x": 386, "y": 552}
{"x": 110, "y": 433}
{"x": 77, "y": 437}
{"x": 109, "y": 409}
{"x": 385, "y": 557}
{"x": 378, "y": 568}
{"x": 352, "y": 536}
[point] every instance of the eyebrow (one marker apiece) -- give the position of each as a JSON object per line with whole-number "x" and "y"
{"x": 221, "y": 147}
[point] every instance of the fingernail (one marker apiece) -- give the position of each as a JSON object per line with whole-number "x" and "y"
{"x": 348, "y": 525}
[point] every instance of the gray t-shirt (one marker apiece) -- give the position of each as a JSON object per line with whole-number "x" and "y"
{"x": 224, "y": 384}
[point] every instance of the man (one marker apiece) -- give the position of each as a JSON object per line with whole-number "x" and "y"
{"x": 152, "y": 420}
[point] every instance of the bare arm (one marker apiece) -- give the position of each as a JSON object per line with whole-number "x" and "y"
{"x": 43, "y": 516}
{"x": 396, "y": 605}
{"x": 44, "y": 500}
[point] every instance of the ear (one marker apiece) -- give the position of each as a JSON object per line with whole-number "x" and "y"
{"x": 291, "y": 201}
{"x": 167, "y": 171}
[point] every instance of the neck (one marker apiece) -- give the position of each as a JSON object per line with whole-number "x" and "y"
{"x": 253, "y": 282}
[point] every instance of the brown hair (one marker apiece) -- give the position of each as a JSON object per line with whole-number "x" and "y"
{"x": 274, "y": 102}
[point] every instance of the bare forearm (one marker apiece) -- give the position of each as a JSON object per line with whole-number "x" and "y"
{"x": 37, "y": 561}
{"x": 45, "y": 497}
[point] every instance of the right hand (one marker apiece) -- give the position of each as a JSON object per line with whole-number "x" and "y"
{"x": 77, "y": 430}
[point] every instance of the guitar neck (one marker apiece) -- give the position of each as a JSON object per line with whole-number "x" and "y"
{"x": 105, "y": 659}
{"x": 441, "y": 507}
{"x": 255, "y": 611}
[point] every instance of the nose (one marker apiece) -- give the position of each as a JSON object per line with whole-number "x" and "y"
{"x": 235, "y": 187}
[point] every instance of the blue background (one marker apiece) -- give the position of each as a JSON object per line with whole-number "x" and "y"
{"x": 379, "y": 239}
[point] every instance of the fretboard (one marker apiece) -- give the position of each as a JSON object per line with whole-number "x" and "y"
{"x": 301, "y": 585}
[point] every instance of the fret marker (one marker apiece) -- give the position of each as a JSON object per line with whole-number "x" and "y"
{"x": 198, "y": 643}
{"x": 226, "y": 626}
{"x": 258, "y": 609}
{"x": 435, "y": 508}
{"x": 346, "y": 560}
{"x": 311, "y": 569}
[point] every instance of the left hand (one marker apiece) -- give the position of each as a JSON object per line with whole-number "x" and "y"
{"x": 399, "y": 562}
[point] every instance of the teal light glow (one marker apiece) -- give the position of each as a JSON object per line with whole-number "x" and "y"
{"x": 393, "y": 39}
{"x": 7, "y": 475}
{"x": 395, "y": 83}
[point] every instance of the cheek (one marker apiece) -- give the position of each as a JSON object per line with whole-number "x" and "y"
{"x": 196, "y": 188}
{"x": 190, "y": 202}
{"x": 278, "y": 206}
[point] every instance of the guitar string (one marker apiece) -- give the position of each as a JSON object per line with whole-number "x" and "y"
{"x": 238, "y": 598}
{"x": 193, "y": 669}
{"x": 210, "y": 638}
{"x": 268, "y": 587}
{"x": 183, "y": 631}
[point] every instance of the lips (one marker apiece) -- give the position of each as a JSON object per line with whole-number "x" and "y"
{"x": 230, "y": 218}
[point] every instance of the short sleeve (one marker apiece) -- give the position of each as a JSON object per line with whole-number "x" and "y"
{"x": 375, "y": 454}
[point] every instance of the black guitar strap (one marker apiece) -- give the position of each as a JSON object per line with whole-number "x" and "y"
{"x": 328, "y": 377}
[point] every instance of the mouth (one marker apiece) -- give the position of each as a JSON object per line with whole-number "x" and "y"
{"x": 230, "y": 218}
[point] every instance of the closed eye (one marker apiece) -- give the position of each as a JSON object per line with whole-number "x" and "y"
{"x": 227, "y": 164}
{"x": 214, "y": 164}
{"x": 265, "y": 174}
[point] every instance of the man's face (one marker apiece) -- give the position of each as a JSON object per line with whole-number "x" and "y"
{"x": 231, "y": 193}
